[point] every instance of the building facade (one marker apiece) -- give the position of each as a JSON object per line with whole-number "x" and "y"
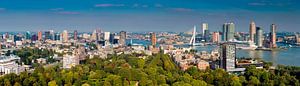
{"x": 216, "y": 37}
{"x": 153, "y": 38}
{"x": 273, "y": 36}
{"x": 259, "y": 37}
{"x": 228, "y": 31}
{"x": 252, "y": 31}
{"x": 122, "y": 40}
{"x": 227, "y": 56}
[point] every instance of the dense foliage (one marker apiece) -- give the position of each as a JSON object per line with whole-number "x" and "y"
{"x": 128, "y": 70}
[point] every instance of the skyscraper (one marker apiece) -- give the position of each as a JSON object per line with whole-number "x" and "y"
{"x": 57, "y": 36}
{"x": 259, "y": 37}
{"x": 94, "y": 35}
{"x": 122, "y": 40}
{"x": 52, "y": 34}
{"x": 252, "y": 32}
{"x": 65, "y": 36}
{"x": 228, "y": 31}
{"x": 40, "y": 35}
{"x": 273, "y": 36}
{"x": 47, "y": 35}
{"x": 106, "y": 36}
{"x": 28, "y": 35}
{"x": 34, "y": 37}
{"x": 204, "y": 28}
{"x": 224, "y": 33}
{"x": 205, "y": 32}
{"x": 153, "y": 39}
{"x": 227, "y": 56}
{"x": 75, "y": 35}
{"x": 112, "y": 38}
{"x": 215, "y": 37}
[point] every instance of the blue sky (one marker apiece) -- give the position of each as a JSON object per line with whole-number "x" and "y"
{"x": 146, "y": 15}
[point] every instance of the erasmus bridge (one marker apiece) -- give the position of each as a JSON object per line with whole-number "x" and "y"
{"x": 193, "y": 38}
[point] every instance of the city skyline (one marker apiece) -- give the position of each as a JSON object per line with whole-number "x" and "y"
{"x": 156, "y": 15}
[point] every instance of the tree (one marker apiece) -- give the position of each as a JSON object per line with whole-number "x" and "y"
{"x": 7, "y": 82}
{"x": 254, "y": 81}
{"x": 181, "y": 84}
{"x": 17, "y": 84}
{"x": 198, "y": 83}
{"x": 52, "y": 83}
{"x": 85, "y": 84}
{"x": 235, "y": 81}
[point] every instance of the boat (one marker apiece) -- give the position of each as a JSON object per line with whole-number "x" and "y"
{"x": 246, "y": 45}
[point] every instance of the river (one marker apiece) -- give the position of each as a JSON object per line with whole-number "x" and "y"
{"x": 291, "y": 56}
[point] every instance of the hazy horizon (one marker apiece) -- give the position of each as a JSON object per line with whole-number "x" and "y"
{"x": 141, "y": 15}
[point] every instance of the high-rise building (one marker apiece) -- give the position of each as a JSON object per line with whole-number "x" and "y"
{"x": 206, "y": 36}
{"x": 112, "y": 38}
{"x": 94, "y": 35}
{"x": 28, "y": 35}
{"x": 224, "y": 32}
{"x": 106, "y": 36}
{"x": 205, "y": 32}
{"x": 153, "y": 39}
{"x": 204, "y": 28}
{"x": 122, "y": 40}
{"x": 259, "y": 37}
{"x": 47, "y": 35}
{"x": 228, "y": 32}
{"x": 216, "y": 37}
{"x": 57, "y": 36}
{"x": 228, "y": 56}
{"x": 252, "y": 32}
{"x": 40, "y": 35}
{"x": 34, "y": 37}
{"x": 99, "y": 34}
{"x": 75, "y": 35}
{"x": 65, "y": 36}
{"x": 273, "y": 36}
{"x": 52, "y": 34}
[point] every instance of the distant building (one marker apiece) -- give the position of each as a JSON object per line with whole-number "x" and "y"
{"x": 228, "y": 31}
{"x": 52, "y": 34}
{"x": 122, "y": 40}
{"x": 75, "y": 35}
{"x": 259, "y": 37}
{"x": 204, "y": 28}
{"x": 57, "y": 37}
{"x": 106, "y": 36}
{"x": 40, "y": 35}
{"x": 273, "y": 36}
{"x": 34, "y": 37}
{"x": 65, "y": 36}
{"x": 153, "y": 39}
{"x": 112, "y": 38}
{"x": 228, "y": 56}
{"x": 216, "y": 37}
{"x": 94, "y": 35}
{"x": 28, "y": 35}
{"x": 252, "y": 31}
{"x": 205, "y": 31}
{"x": 47, "y": 35}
